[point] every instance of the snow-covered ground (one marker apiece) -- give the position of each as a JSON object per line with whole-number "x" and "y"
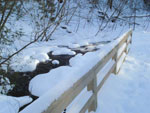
{"x": 10, "y": 104}
{"x": 126, "y": 93}
{"x": 129, "y": 91}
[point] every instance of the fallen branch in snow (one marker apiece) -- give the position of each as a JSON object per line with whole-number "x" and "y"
{"x": 137, "y": 16}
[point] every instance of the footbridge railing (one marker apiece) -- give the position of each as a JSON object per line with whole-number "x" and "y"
{"x": 89, "y": 80}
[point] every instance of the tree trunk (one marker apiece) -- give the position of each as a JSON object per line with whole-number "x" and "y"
{"x": 109, "y": 3}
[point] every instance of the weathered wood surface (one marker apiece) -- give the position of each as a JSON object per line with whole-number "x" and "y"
{"x": 106, "y": 76}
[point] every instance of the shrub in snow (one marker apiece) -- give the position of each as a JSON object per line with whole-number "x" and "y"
{"x": 5, "y": 85}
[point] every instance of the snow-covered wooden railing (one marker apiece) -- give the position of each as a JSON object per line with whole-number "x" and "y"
{"x": 89, "y": 80}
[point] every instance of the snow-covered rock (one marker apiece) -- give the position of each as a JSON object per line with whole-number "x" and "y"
{"x": 10, "y": 104}
{"x": 55, "y": 62}
{"x": 60, "y": 51}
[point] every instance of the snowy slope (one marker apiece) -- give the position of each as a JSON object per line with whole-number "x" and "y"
{"x": 129, "y": 91}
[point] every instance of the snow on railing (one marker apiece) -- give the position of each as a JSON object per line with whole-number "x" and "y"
{"x": 115, "y": 56}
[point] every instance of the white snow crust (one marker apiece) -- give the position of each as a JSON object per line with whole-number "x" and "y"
{"x": 10, "y": 104}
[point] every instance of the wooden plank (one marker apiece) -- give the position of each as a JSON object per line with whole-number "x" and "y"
{"x": 127, "y": 48}
{"x": 105, "y": 78}
{"x": 101, "y": 63}
{"x": 68, "y": 96}
{"x": 119, "y": 45}
{"x": 86, "y": 106}
{"x": 129, "y": 38}
{"x": 93, "y": 86}
{"x": 124, "y": 49}
{"x": 112, "y": 53}
{"x": 93, "y": 105}
{"x": 125, "y": 38}
{"x": 121, "y": 64}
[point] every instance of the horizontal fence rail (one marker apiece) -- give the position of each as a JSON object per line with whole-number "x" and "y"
{"x": 89, "y": 80}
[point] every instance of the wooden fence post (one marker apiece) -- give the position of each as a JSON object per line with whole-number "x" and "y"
{"x": 115, "y": 59}
{"x": 93, "y": 86}
{"x": 131, "y": 38}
